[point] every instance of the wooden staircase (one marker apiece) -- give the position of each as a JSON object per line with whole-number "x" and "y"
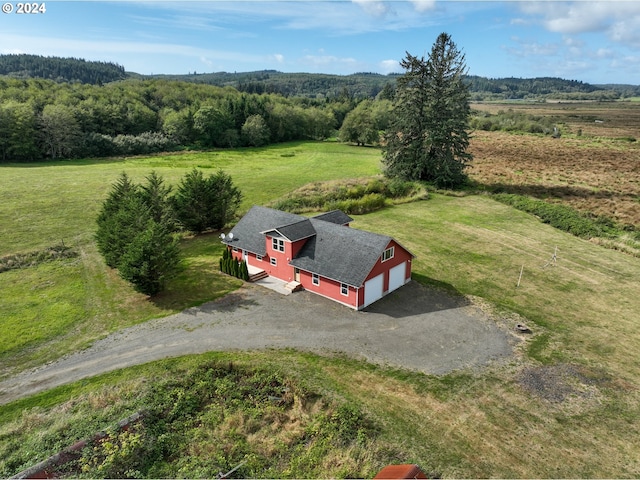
{"x": 258, "y": 275}
{"x": 294, "y": 286}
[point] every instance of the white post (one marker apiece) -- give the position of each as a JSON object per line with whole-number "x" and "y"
{"x": 520, "y": 277}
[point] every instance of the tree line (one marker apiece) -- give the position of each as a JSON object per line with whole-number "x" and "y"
{"x": 43, "y": 119}
{"x": 60, "y": 69}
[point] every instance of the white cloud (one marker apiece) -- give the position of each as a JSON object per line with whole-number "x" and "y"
{"x": 527, "y": 48}
{"x": 423, "y": 5}
{"x": 619, "y": 20}
{"x": 377, "y": 8}
{"x": 279, "y": 58}
{"x": 98, "y": 50}
{"x": 389, "y": 66}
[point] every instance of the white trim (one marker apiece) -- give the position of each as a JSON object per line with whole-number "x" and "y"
{"x": 344, "y": 286}
{"x": 391, "y": 250}
{"x": 274, "y": 261}
{"x": 258, "y": 257}
{"x": 315, "y": 279}
{"x": 277, "y": 244}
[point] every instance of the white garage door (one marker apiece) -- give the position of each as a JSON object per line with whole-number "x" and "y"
{"x": 373, "y": 289}
{"x": 396, "y": 276}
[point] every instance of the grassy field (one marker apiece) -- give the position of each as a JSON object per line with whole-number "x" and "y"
{"x": 597, "y": 171}
{"x": 49, "y": 310}
{"x": 566, "y": 405}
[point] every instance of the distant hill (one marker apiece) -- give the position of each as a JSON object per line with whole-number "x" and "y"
{"x": 357, "y": 85}
{"x": 311, "y": 85}
{"x": 60, "y": 69}
{"x": 368, "y": 85}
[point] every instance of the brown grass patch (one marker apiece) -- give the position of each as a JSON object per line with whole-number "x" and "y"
{"x": 600, "y": 175}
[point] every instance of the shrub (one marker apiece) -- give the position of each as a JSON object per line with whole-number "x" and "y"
{"x": 561, "y": 217}
{"x": 359, "y": 206}
{"x": 231, "y": 266}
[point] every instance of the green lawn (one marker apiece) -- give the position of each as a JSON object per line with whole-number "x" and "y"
{"x": 478, "y": 423}
{"x": 49, "y": 310}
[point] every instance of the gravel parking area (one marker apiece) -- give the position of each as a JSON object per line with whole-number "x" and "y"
{"x": 416, "y": 327}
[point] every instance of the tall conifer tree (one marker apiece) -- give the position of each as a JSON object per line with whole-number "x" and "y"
{"x": 428, "y": 139}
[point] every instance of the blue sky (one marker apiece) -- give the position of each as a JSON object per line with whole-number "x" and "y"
{"x": 591, "y": 41}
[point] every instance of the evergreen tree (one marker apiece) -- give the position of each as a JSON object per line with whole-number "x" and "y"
{"x": 150, "y": 259}
{"x": 427, "y": 139}
{"x": 134, "y": 233}
{"x": 155, "y": 194}
{"x": 112, "y": 234}
{"x": 205, "y": 203}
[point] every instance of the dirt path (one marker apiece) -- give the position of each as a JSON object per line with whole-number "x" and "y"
{"x": 415, "y": 328}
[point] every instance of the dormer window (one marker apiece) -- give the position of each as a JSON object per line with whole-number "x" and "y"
{"x": 278, "y": 244}
{"x": 388, "y": 254}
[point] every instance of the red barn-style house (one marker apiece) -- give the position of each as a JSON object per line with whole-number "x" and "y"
{"x": 322, "y": 254}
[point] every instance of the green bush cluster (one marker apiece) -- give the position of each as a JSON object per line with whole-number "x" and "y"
{"x": 511, "y": 121}
{"x": 231, "y": 266}
{"x": 100, "y": 145}
{"x": 561, "y": 216}
{"x": 355, "y": 197}
{"x": 359, "y": 206}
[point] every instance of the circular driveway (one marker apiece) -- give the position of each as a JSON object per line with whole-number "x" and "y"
{"x": 415, "y": 327}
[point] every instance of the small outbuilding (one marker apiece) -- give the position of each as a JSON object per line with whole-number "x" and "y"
{"x": 322, "y": 254}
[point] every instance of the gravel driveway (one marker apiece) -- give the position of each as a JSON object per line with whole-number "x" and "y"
{"x": 415, "y": 327}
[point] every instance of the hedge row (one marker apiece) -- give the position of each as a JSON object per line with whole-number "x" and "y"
{"x": 231, "y": 266}
{"x": 561, "y": 217}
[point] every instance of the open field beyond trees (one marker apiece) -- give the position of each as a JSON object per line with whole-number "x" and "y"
{"x": 566, "y": 404}
{"x": 596, "y": 171}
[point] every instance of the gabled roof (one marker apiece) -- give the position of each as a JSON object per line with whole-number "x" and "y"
{"x": 332, "y": 250}
{"x": 335, "y": 216}
{"x": 340, "y": 253}
{"x": 247, "y": 234}
{"x": 294, "y": 231}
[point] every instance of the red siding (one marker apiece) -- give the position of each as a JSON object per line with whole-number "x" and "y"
{"x": 329, "y": 288}
{"x": 281, "y": 269}
{"x": 400, "y": 255}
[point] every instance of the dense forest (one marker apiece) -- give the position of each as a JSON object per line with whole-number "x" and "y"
{"x": 42, "y": 119}
{"x": 64, "y": 108}
{"x": 60, "y": 69}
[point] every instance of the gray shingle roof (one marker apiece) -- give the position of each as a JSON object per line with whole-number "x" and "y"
{"x": 295, "y": 231}
{"x": 340, "y": 253}
{"x": 335, "y": 216}
{"x": 247, "y": 232}
{"x": 332, "y": 250}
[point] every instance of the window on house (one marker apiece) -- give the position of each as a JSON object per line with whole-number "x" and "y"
{"x": 235, "y": 249}
{"x": 278, "y": 244}
{"x": 344, "y": 289}
{"x": 315, "y": 279}
{"x": 274, "y": 261}
{"x": 388, "y": 254}
{"x": 259, "y": 258}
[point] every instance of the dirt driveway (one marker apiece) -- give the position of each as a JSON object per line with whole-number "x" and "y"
{"x": 416, "y": 327}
